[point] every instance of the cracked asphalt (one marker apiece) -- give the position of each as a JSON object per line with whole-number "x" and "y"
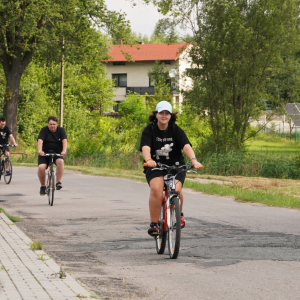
{"x": 97, "y": 229}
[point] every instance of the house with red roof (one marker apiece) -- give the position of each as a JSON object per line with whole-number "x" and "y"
{"x": 129, "y": 65}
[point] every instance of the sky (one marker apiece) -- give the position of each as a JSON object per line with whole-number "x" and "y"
{"x": 142, "y": 17}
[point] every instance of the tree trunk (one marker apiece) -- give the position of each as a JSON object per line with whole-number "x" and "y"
{"x": 14, "y": 67}
{"x": 10, "y": 108}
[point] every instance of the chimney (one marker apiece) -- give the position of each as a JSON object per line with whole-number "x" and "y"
{"x": 121, "y": 42}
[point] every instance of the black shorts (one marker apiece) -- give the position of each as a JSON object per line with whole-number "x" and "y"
{"x": 4, "y": 148}
{"x": 46, "y": 160}
{"x": 158, "y": 173}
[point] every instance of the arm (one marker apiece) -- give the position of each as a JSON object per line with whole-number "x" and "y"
{"x": 40, "y": 147}
{"x": 64, "y": 147}
{"x": 146, "y": 151}
{"x": 189, "y": 152}
{"x": 13, "y": 140}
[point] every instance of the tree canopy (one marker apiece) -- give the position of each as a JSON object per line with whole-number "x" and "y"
{"x": 240, "y": 51}
{"x": 30, "y": 26}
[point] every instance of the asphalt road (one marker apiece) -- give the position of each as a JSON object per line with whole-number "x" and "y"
{"x": 98, "y": 229}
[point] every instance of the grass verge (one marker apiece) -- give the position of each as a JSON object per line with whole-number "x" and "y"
{"x": 267, "y": 191}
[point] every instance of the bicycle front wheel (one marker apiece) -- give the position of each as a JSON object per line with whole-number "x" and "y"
{"x": 51, "y": 188}
{"x": 174, "y": 231}
{"x": 7, "y": 171}
{"x": 161, "y": 238}
{"x": 1, "y": 168}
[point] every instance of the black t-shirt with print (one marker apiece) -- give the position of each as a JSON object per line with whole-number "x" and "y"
{"x": 52, "y": 140}
{"x": 166, "y": 145}
{"x": 4, "y": 134}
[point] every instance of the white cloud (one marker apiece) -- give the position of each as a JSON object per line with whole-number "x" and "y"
{"x": 142, "y": 17}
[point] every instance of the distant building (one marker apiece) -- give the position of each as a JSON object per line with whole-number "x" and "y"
{"x": 129, "y": 66}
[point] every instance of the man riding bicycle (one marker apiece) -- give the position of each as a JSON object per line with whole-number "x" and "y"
{"x": 51, "y": 138}
{"x": 5, "y": 133}
{"x": 162, "y": 141}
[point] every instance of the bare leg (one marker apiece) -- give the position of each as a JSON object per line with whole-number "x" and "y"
{"x": 59, "y": 169}
{"x": 41, "y": 174}
{"x": 156, "y": 190}
{"x": 179, "y": 189}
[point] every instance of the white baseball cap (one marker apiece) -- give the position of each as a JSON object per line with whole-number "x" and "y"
{"x": 164, "y": 105}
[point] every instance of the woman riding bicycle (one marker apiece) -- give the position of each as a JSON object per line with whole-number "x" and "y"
{"x": 162, "y": 141}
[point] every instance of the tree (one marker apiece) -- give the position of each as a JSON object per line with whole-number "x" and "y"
{"x": 238, "y": 47}
{"x": 162, "y": 82}
{"x": 27, "y": 26}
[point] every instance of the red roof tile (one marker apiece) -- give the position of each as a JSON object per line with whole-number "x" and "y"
{"x": 145, "y": 52}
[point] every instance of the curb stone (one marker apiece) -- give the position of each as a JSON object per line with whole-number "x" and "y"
{"x": 26, "y": 277}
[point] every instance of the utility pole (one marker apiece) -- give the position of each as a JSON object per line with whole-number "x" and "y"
{"x": 62, "y": 83}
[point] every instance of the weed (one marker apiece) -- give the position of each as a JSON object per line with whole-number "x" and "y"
{"x": 62, "y": 273}
{"x": 3, "y": 269}
{"x": 81, "y": 296}
{"x": 36, "y": 245}
{"x": 42, "y": 258}
{"x": 12, "y": 218}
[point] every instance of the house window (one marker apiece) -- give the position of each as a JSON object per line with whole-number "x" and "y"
{"x": 120, "y": 80}
{"x": 151, "y": 82}
{"x": 116, "y": 107}
{"x": 119, "y": 63}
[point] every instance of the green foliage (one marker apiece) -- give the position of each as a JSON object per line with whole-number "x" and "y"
{"x": 243, "y": 164}
{"x": 65, "y": 28}
{"x": 36, "y": 245}
{"x": 133, "y": 110}
{"x": 162, "y": 82}
{"x": 243, "y": 51}
{"x": 235, "y": 60}
{"x": 84, "y": 91}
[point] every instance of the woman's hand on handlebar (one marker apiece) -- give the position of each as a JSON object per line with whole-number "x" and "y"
{"x": 196, "y": 164}
{"x": 42, "y": 153}
{"x": 150, "y": 163}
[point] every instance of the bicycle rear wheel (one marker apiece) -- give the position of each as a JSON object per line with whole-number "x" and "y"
{"x": 161, "y": 238}
{"x": 7, "y": 171}
{"x": 51, "y": 188}
{"x": 174, "y": 231}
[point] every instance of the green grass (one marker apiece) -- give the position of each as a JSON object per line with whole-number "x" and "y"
{"x": 266, "y": 198}
{"x": 273, "y": 144}
{"x": 36, "y": 245}
{"x": 12, "y": 218}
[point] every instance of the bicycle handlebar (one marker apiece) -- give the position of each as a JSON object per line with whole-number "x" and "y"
{"x": 51, "y": 154}
{"x": 7, "y": 145}
{"x": 166, "y": 167}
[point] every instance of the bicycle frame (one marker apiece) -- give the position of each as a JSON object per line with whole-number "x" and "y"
{"x": 50, "y": 185}
{"x": 169, "y": 193}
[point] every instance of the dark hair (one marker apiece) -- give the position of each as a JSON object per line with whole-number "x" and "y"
{"x": 152, "y": 117}
{"x": 2, "y": 119}
{"x": 52, "y": 118}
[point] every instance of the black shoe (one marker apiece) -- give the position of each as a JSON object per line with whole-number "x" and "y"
{"x": 153, "y": 229}
{"x": 7, "y": 173}
{"x": 59, "y": 186}
{"x": 43, "y": 190}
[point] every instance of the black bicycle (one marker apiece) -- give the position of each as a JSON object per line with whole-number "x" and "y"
{"x": 51, "y": 177}
{"x": 5, "y": 164}
{"x": 170, "y": 216}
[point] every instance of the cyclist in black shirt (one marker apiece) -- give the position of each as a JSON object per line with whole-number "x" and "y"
{"x": 54, "y": 138}
{"x": 162, "y": 141}
{"x": 5, "y": 133}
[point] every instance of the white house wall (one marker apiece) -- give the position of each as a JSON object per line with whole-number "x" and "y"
{"x": 184, "y": 82}
{"x": 137, "y": 74}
